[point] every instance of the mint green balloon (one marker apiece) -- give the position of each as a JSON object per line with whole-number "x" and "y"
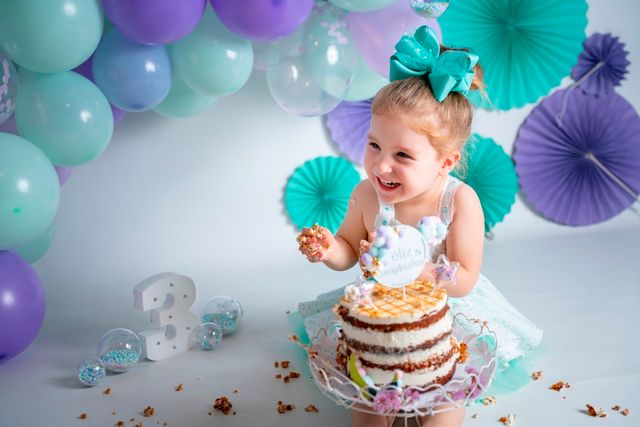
{"x": 50, "y": 36}
{"x": 29, "y": 191}
{"x": 182, "y": 101}
{"x": 35, "y": 249}
{"x": 366, "y": 82}
{"x": 212, "y": 60}
{"x": 65, "y": 115}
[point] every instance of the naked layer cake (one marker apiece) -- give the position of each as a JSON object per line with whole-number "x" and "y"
{"x": 408, "y": 332}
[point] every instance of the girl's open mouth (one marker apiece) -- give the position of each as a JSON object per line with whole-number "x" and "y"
{"x": 387, "y": 185}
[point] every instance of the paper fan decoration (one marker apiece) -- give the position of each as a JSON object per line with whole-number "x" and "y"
{"x": 318, "y": 192}
{"x": 349, "y": 124}
{"x": 601, "y": 65}
{"x": 491, "y": 173}
{"x": 583, "y": 169}
{"x": 525, "y": 47}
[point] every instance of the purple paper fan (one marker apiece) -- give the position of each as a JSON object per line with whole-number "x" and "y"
{"x": 605, "y": 49}
{"x": 349, "y": 126}
{"x": 558, "y": 164}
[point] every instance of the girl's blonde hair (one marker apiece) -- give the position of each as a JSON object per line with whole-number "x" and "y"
{"x": 447, "y": 124}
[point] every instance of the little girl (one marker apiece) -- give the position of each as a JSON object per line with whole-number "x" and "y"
{"x": 419, "y": 125}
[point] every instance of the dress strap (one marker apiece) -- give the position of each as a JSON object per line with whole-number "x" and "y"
{"x": 386, "y": 215}
{"x": 445, "y": 207}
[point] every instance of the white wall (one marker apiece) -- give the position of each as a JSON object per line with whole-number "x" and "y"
{"x": 203, "y": 196}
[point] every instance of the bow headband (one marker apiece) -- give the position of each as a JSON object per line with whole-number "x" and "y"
{"x": 451, "y": 71}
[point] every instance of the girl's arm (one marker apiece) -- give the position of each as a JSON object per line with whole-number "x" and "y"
{"x": 465, "y": 240}
{"x": 342, "y": 254}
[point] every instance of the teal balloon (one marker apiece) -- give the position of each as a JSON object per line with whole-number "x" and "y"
{"x": 65, "y": 115}
{"x": 29, "y": 191}
{"x": 50, "y": 36}
{"x": 182, "y": 101}
{"x": 212, "y": 60}
{"x": 366, "y": 82}
{"x": 362, "y": 5}
{"x": 35, "y": 249}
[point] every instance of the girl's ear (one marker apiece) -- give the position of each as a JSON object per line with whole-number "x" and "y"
{"x": 449, "y": 162}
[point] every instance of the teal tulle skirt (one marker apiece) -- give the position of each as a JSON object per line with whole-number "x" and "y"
{"x": 517, "y": 336}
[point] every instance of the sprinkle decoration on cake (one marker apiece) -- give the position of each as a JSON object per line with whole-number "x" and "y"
{"x": 406, "y": 330}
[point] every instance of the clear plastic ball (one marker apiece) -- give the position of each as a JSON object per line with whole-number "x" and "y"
{"x": 119, "y": 349}
{"x": 207, "y": 336}
{"x": 225, "y": 311}
{"x": 91, "y": 371}
{"x": 429, "y": 8}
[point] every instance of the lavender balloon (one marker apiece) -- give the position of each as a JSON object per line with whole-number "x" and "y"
{"x": 154, "y": 21}
{"x": 63, "y": 172}
{"x": 22, "y": 305}
{"x": 262, "y": 19}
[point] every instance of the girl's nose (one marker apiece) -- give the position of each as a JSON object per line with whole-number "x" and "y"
{"x": 383, "y": 166}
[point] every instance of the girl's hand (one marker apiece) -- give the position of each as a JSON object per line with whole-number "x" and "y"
{"x": 315, "y": 243}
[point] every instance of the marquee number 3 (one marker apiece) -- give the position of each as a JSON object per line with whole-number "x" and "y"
{"x": 168, "y": 297}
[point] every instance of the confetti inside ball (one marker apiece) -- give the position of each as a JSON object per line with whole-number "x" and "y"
{"x": 224, "y": 311}
{"x": 119, "y": 349}
{"x": 429, "y": 8}
{"x": 207, "y": 336}
{"x": 91, "y": 371}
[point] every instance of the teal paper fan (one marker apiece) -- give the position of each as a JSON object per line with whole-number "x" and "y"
{"x": 526, "y": 47}
{"x": 492, "y": 174}
{"x": 318, "y": 192}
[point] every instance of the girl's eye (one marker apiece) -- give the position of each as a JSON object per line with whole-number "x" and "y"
{"x": 404, "y": 155}
{"x": 374, "y": 145}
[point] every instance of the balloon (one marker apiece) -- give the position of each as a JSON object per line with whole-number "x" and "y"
{"x": 366, "y": 82}
{"x": 133, "y": 76}
{"x": 376, "y": 33}
{"x": 50, "y": 36}
{"x": 29, "y": 191}
{"x": 361, "y": 5}
{"x": 212, "y": 60}
{"x": 10, "y": 125}
{"x": 65, "y": 115}
{"x": 262, "y": 19}
{"x": 63, "y": 173}
{"x": 22, "y": 305}
{"x": 35, "y": 249}
{"x": 86, "y": 70}
{"x": 309, "y": 72}
{"x": 154, "y": 21}
{"x": 182, "y": 101}
{"x": 8, "y": 88}
{"x": 260, "y": 55}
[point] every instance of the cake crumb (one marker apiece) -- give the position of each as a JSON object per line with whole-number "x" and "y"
{"x": 148, "y": 411}
{"x": 595, "y": 412}
{"x": 288, "y": 312}
{"x": 120, "y": 423}
{"x": 625, "y": 412}
{"x": 536, "y": 375}
{"x": 83, "y": 416}
{"x": 138, "y": 424}
{"x": 564, "y": 397}
{"x": 489, "y": 400}
{"x": 275, "y": 364}
{"x": 107, "y": 391}
{"x": 284, "y": 407}
{"x": 132, "y": 419}
{"x": 235, "y": 391}
{"x": 311, "y": 408}
{"x": 474, "y": 416}
{"x": 222, "y": 404}
{"x": 559, "y": 386}
{"x": 278, "y": 376}
{"x": 615, "y": 408}
{"x": 463, "y": 352}
{"x": 179, "y": 387}
{"x": 284, "y": 364}
{"x": 113, "y": 413}
{"x": 508, "y": 420}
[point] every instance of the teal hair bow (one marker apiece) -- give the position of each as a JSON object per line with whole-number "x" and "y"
{"x": 451, "y": 71}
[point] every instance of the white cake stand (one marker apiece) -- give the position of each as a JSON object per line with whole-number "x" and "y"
{"x": 469, "y": 380}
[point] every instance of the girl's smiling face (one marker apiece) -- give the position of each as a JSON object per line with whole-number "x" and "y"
{"x": 401, "y": 163}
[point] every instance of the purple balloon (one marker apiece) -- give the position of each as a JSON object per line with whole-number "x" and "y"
{"x": 63, "y": 173}
{"x": 9, "y": 126}
{"x": 22, "y": 305}
{"x": 154, "y": 21}
{"x": 86, "y": 70}
{"x": 262, "y": 19}
{"x": 376, "y": 33}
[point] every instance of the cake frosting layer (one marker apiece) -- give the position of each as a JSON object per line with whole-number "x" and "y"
{"x": 409, "y": 360}
{"x": 420, "y": 378}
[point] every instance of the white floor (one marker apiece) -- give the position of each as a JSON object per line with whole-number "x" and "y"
{"x": 583, "y": 290}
